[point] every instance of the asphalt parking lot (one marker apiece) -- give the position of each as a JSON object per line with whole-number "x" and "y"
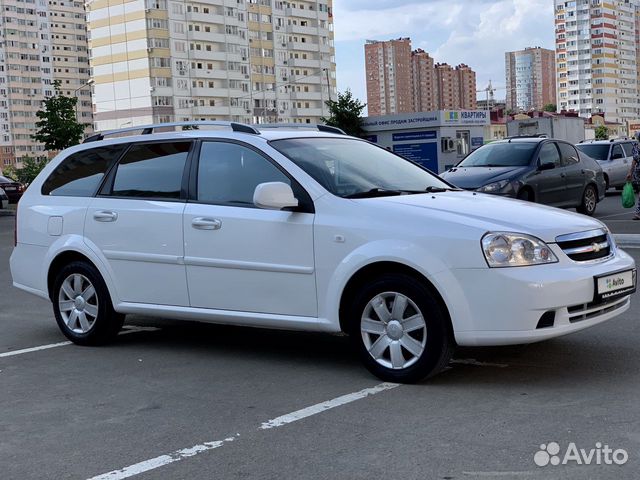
{"x": 180, "y": 400}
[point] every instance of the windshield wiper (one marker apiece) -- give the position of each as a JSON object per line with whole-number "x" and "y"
{"x": 382, "y": 192}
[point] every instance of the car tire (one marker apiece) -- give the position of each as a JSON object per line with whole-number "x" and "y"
{"x": 399, "y": 329}
{"x": 82, "y": 305}
{"x": 525, "y": 194}
{"x": 589, "y": 201}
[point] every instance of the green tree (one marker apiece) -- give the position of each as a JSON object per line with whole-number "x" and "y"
{"x": 346, "y": 113}
{"x": 30, "y": 169}
{"x": 602, "y": 132}
{"x": 550, "y": 107}
{"x": 58, "y": 127}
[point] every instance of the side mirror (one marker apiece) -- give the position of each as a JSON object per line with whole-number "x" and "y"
{"x": 546, "y": 166}
{"x": 274, "y": 196}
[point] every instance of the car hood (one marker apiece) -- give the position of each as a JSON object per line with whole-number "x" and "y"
{"x": 476, "y": 177}
{"x": 492, "y": 213}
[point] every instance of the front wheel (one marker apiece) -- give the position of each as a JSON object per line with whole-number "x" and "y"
{"x": 589, "y": 201}
{"x": 399, "y": 330}
{"x": 82, "y": 305}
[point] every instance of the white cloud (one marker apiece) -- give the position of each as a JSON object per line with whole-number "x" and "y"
{"x": 476, "y": 32}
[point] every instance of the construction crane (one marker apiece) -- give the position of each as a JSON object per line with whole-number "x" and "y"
{"x": 490, "y": 90}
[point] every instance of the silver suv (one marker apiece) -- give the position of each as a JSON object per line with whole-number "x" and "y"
{"x": 614, "y": 156}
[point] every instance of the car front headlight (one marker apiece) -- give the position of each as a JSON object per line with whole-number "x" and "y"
{"x": 494, "y": 187}
{"x": 503, "y": 249}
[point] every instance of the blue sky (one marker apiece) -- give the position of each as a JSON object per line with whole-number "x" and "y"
{"x": 475, "y": 32}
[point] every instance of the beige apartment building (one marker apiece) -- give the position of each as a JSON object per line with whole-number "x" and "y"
{"x": 597, "y": 53}
{"x": 42, "y": 41}
{"x": 531, "y": 79}
{"x": 400, "y": 80}
{"x": 254, "y": 61}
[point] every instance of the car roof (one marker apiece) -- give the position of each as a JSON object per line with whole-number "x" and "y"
{"x": 606, "y": 142}
{"x": 265, "y": 135}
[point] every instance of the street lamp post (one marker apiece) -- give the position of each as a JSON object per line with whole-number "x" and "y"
{"x": 86, "y": 84}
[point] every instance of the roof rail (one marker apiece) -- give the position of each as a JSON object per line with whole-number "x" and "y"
{"x": 319, "y": 127}
{"x": 148, "y": 129}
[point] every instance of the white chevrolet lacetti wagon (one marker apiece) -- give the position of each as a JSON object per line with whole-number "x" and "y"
{"x": 305, "y": 229}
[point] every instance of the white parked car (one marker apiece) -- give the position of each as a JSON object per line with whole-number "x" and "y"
{"x": 307, "y": 230}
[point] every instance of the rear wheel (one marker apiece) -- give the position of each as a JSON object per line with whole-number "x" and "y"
{"x": 82, "y": 305}
{"x": 399, "y": 329}
{"x": 589, "y": 201}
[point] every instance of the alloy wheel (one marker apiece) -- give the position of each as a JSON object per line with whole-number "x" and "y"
{"x": 393, "y": 330}
{"x": 78, "y": 303}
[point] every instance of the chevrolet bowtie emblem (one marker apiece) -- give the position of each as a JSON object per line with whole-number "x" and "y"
{"x": 595, "y": 247}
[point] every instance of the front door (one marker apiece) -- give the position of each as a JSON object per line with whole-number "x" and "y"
{"x": 239, "y": 257}
{"x": 136, "y": 223}
{"x": 550, "y": 184}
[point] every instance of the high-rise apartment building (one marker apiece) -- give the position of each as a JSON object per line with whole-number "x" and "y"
{"x": 40, "y": 42}
{"x": 597, "y": 57}
{"x": 455, "y": 87}
{"x": 401, "y": 81}
{"x": 424, "y": 82}
{"x": 243, "y": 60}
{"x": 531, "y": 78}
{"x": 388, "y": 69}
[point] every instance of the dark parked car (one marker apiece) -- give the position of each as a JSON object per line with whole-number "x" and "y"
{"x": 13, "y": 189}
{"x": 540, "y": 170}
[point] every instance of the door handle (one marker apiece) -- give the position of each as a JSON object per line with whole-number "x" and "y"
{"x": 105, "y": 216}
{"x": 563, "y": 175}
{"x": 202, "y": 223}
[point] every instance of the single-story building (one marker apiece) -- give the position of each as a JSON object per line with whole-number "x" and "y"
{"x": 437, "y": 140}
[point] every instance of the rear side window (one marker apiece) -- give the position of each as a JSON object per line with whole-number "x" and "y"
{"x": 568, "y": 153}
{"x": 628, "y": 149}
{"x": 152, "y": 170}
{"x": 549, "y": 154}
{"x": 80, "y": 174}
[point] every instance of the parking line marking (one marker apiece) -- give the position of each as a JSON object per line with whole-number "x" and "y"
{"x": 161, "y": 461}
{"x": 125, "y": 331}
{"x": 473, "y": 361}
{"x": 178, "y": 455}
{"x": 324, "y": 406}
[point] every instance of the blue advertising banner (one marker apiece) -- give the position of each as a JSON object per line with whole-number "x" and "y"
{"x": 371, "y": 138}
{"x": 424, "y": 135}
{"x": 477, "y": 141}
{"x": 426, "y": 154}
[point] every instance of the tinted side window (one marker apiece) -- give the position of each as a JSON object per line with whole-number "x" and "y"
{"x": 80, "y": 174}
{"x": 229, "y": 173}
{"x": 151, "y": 170}
{"x": 617, "y": 152}
{"x": 549, "y": 154}
{"x": 568, "y": 153}
{"x": 628, "y": 149}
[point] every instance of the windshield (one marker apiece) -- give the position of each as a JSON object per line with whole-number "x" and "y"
{"x": 350, "y": 168}
{"x": 501, "y": 155}
{"x": 599, "y": 152}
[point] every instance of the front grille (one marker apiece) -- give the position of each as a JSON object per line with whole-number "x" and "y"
{"x": 585, "y": 311}
{"x": 586, "y": 246}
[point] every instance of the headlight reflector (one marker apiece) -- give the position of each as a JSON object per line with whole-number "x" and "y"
{"x": 504, "y": 249}
{"x": 494, "y": 187}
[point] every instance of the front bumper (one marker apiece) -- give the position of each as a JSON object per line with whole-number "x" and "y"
{"x": 503, "y": 306}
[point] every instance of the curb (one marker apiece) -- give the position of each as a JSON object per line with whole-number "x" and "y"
{"x": 628, "y": 240}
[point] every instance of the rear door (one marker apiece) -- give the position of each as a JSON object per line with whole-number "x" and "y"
{"x": 549, "y": 184}
{"x": 136, "y": 223}
{"x": 623, "y": 169}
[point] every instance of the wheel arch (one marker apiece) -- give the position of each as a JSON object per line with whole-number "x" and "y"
{"x": 64, "y": 258}
{"x": 371, "y": 270}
